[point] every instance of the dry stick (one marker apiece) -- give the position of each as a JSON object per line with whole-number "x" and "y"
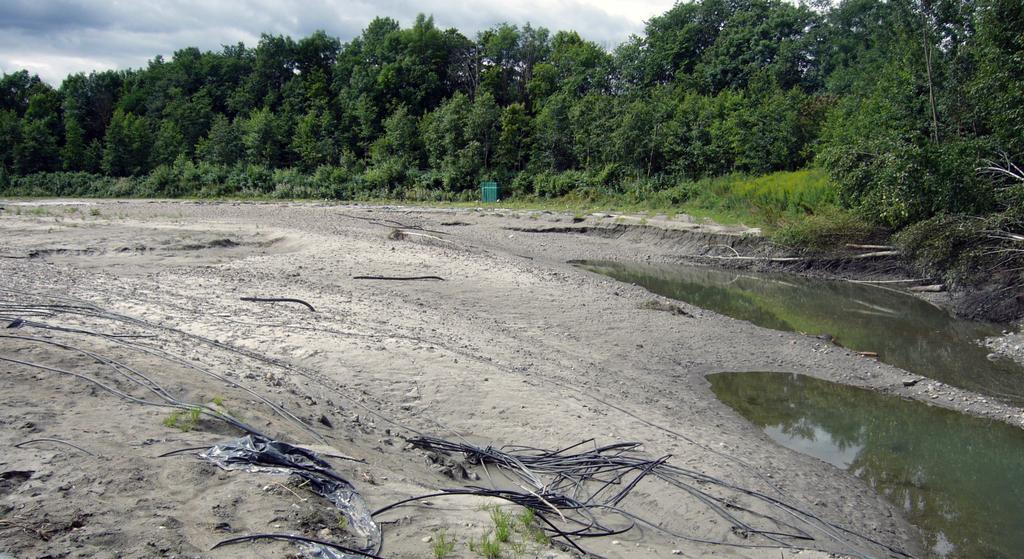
{"x": 876, "y": 254}
{"x": 803, "y": 259}
{"x": 398, "y": 278}
{"x": 734, "y": 251}
{"x": 762, "y": 258}
{"x": 875, "y": 247}
{"x": 889, "y": 281}
{"x": 278, "y": 300}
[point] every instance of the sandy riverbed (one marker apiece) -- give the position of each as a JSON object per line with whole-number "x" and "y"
{"x": 514, "y": 347}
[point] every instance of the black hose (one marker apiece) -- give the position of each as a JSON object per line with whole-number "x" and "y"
{"x": 278, "y": 300}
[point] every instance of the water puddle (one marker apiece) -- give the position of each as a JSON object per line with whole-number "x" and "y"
{"x": 956, "y": 477}
{"x": 903, "y": 330}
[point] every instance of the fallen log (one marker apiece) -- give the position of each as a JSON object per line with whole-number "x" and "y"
{"x": 278, "y": 300}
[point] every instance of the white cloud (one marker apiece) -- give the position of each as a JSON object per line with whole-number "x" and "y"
{"x": 56, "y": 37}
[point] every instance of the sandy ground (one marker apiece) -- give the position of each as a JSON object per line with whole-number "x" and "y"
{"x": 514, "y": 347}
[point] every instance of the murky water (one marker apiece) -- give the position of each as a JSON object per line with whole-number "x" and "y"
{"x": 959, "y": 478}
{"x": 903, "y": 330}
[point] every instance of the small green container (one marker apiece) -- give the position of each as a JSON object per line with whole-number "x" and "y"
{"x": 488, "y": 191}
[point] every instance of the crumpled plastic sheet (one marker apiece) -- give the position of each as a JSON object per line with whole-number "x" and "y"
{"x": 256, "y": 454}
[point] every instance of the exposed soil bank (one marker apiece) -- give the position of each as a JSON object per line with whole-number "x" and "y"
{"x": 515, "y": 347}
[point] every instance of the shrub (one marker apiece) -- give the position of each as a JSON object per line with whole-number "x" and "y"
{"x": 826, "y": 231}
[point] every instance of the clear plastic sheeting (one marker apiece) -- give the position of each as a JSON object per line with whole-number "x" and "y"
{"x": 256, "y": 454}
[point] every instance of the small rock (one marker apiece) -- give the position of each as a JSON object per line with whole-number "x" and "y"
{"x": 677, "y": 552}
{"x": 911, "y": 381}
{"x": 427, "y": 539}
{"x": 616, "y": 542}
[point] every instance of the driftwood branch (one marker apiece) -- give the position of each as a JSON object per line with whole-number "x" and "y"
{"x": 278, "y": 300}
{"x": 918, "y": 280}
{"x": 874, "y": 247}
{"x": 761, "y": 258}
{"x": 877, "y": 254}
{"x": 1005, "y": 169}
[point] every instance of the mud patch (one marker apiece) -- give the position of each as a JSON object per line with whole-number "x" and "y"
{"x": 11, "y": 480}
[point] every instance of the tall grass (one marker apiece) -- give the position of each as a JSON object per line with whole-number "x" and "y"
{"x": 764, "y": 200}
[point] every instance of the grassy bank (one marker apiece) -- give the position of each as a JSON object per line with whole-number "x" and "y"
{"x": 736, "y": 197}
{"x": 798, "y": 207}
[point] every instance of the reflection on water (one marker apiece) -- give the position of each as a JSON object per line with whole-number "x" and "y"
{"x": 904, "y": 330}
{"x": 959, "y": 478}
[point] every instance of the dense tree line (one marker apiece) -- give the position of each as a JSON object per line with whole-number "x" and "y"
{"x": 898, "y": 100}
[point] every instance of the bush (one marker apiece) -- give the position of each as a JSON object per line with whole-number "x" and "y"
{"x": 70, "y": 184}
{"x": 250, "y": 180}
{"x": 826, "y": 231}
{"x": 550, "y": 184}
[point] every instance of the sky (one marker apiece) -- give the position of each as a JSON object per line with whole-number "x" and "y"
{"x": 53, "y": 38}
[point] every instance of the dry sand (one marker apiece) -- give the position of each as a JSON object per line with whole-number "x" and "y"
{"x": 514, "y": 347}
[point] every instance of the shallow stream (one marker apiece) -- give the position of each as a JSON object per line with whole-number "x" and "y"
{"x": 903, "y": 330}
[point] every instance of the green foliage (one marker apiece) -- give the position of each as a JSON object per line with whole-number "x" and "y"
{"x": 36, "y": 150}
{"x": 826, "y": 231}
{"x": 223, "y": 145}
{"x": 262, "y": 138}
{"x": 965, "y": 249}
{"x": 443, "y": 546}
{"x": 487, "y": 547}
{"x": 766, "y": 199}
{"x": 183, "y": 420}
{"x": 169, "y": 144}
{"x": 503, "y": 523}
{"x": 74, "y": 155}
{"x": 127, "y": 145}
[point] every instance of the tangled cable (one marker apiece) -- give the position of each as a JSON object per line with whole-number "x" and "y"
{"x": 577, "y": 492}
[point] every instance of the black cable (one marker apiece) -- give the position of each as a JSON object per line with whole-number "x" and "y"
{"x": 278, "y": 300}
{"x": 294, "y": 538}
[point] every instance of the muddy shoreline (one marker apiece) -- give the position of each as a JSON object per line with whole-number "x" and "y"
{"x": 514, "y": 347}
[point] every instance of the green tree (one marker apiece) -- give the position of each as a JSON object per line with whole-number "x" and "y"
{"x": 515, "y": 140}
{"x": 36, "y": 150}
{"x": 74, "y": 154}
{"x": 10, "y": 134}
{"x": 313, "y": 142}
{"x": 169, "y": 144}
{"x": 126, "y": 148}
{"x": 261, "y": 138}
{"x": 223, "y": 145}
